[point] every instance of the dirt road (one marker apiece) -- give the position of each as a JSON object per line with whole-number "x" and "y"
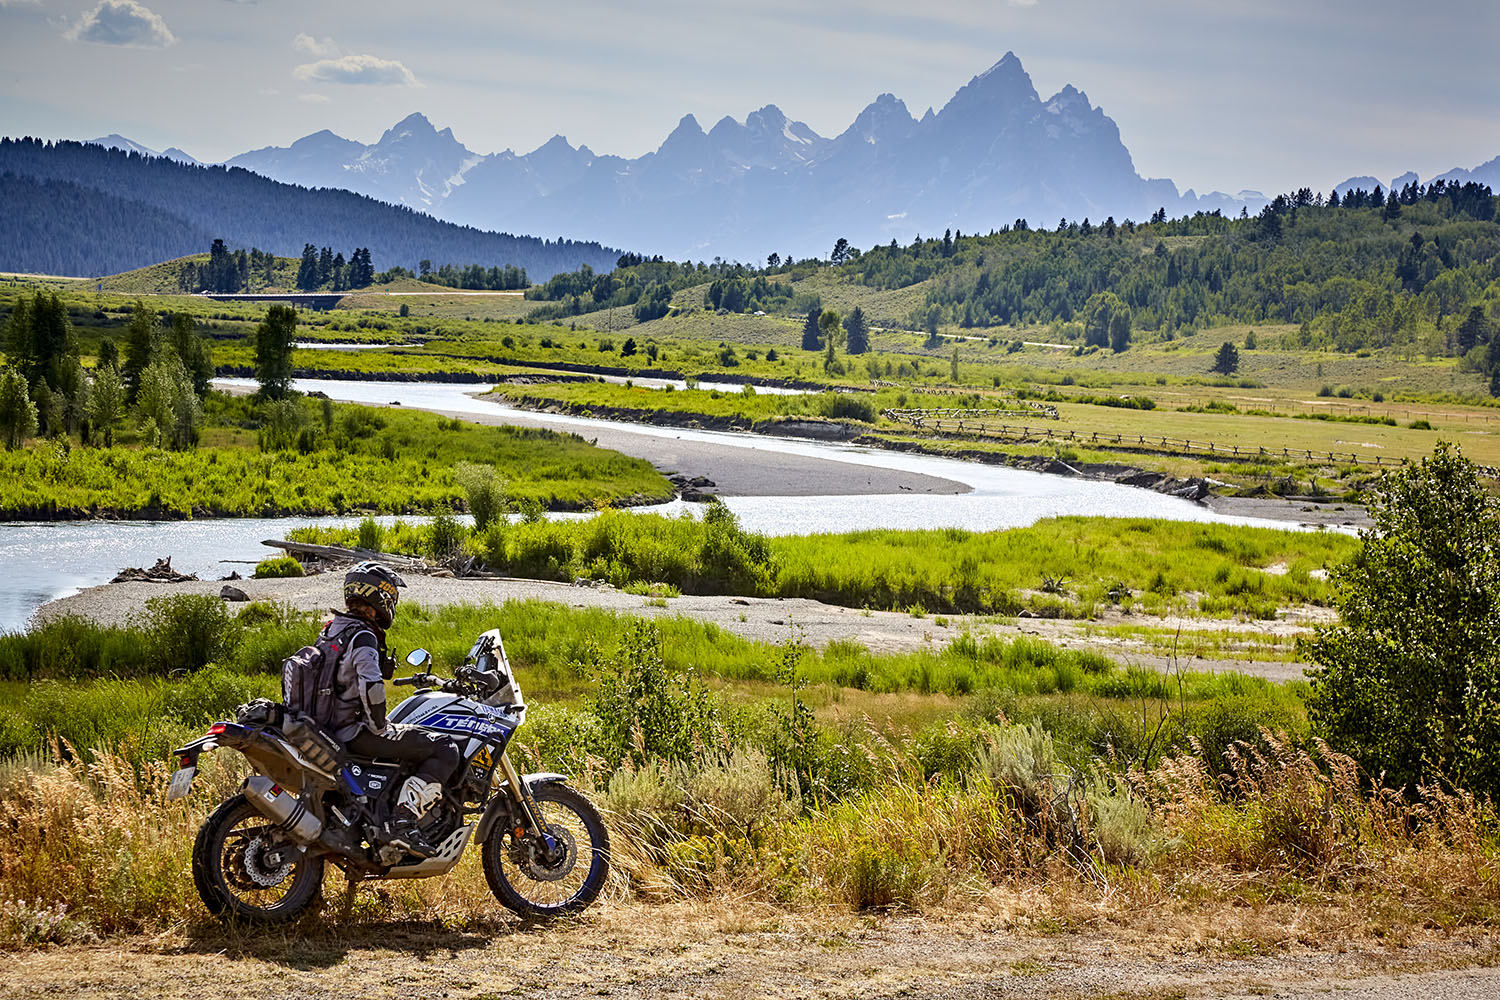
{"x": 636, "y": 950}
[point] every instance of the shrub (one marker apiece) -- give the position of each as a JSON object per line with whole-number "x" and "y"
{"x": 187, "y": 631}
{"x": 847, "y": 406}
{"x": 1408, "y": 682}
{"x": 647, "y": 711}
{"x": 371, "y": 535}
{"x": 485, "y": 491}
{"x": 445, "y": 537}
{"x": 277, "y": 567}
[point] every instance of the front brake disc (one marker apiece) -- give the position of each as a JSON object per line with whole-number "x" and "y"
{"x": 530, "y": 857}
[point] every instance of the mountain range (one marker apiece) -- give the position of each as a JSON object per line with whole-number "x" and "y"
{"x": 997, "y": 151}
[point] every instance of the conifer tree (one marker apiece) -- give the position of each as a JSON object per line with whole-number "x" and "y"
{"x": 858, "y": 332}
{"x": 811, "y": 338}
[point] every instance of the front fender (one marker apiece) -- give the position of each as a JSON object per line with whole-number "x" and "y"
{"x": 501, "y": 803}
{"x": 540, "y": 778}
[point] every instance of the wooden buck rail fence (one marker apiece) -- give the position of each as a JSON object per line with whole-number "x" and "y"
{"x": 975, "y": 422}
{"x": 1021, "y": 408}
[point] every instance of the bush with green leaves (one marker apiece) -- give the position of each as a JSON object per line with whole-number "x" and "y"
{"x": 1408, "y": 682}
{"x": 646, "y": 710}
{"x": 445, "y": 537}
{"x": 277, "y": 567}
{"x": 485, "y": 491}
{"x": 185, "y": 632}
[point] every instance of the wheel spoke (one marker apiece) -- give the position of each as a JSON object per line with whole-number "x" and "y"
{"x": 565, "y": 877}
{"x": 259, "y": 872}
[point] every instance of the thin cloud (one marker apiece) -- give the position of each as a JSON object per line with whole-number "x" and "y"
{"x": 321, "y": 47}
{"x": 122, "y": 22}
{"x": 314, "y": 98}
{"x": 361, "y": 70}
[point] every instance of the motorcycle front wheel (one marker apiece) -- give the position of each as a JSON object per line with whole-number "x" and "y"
{"x": 244, "y": 867}
{"x": 535, "y": 880}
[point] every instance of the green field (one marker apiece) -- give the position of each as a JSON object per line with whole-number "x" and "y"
{"x": 1069, "y": 567}
{"x": 345, "y": 458}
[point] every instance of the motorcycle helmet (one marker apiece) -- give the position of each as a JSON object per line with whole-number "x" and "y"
{"x": 375, "y": 585}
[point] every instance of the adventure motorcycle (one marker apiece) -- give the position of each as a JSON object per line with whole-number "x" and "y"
{"x": 262, "y": 853}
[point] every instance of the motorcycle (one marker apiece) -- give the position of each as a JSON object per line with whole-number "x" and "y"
{"x": 262, "y": 853}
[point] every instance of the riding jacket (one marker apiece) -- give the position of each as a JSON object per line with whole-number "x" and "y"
{"x": 364, "y": 665}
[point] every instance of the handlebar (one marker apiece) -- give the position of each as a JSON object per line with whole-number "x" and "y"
{"x": 464, "y": 680}
{"x": 413, "y": 680}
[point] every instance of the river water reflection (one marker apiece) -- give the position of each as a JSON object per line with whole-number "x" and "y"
{"x": 40, "y": 562}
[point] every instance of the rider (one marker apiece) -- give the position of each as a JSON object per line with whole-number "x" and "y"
{"x": 359, "y": 723}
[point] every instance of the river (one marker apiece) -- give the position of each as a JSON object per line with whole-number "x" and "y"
{"x": 43, "y": 561}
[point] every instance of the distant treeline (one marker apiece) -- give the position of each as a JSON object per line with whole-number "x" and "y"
{"x": 646, "y": 285}
{"x": 494, "y": 279}
{"x": 82, "y": 209}
{"x": 1369, "y": 270}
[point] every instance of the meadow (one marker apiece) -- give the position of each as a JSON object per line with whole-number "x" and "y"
{"x": 324, "y": 460}
{"x": 1069, "y": 567}
{"x": 774, "y": 774}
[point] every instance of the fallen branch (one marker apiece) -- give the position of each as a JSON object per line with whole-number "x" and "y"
{"x": 339, "y": 554}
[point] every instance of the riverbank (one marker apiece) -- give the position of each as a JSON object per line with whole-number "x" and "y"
{"x": 768, "y": 620}
{"x": 773, "y": 474}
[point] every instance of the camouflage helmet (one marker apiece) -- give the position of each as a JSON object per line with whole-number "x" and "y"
{"x": 373, "y": 584}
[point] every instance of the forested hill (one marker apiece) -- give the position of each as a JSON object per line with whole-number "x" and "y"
{"x": 1417, "y": 269}
{"x": 79, "y": 209}
{"x": 1375, "y": 270}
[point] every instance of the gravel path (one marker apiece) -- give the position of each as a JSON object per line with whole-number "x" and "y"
{"x": 770, "y": 620}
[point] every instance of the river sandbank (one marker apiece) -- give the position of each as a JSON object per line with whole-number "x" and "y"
{"x": 769, "y": 620}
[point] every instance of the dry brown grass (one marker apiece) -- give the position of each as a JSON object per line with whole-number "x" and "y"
{"x": 1290, "y": 847}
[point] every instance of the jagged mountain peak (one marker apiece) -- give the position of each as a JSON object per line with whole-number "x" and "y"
{"x": 414, "y": 122}
{"x": 1007, "y": 79}
{"x": 557, "y": 144}
{"x": 883, "y": 120}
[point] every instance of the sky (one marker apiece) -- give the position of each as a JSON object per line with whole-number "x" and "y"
{"x": 1226, "y": 95}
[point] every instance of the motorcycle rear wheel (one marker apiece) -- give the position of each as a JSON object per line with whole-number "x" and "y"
{"x": 233, "y": 883}
{"x": 527, "y": 881}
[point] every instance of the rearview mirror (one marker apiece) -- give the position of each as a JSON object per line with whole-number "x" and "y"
{"x": 419, "y": 658}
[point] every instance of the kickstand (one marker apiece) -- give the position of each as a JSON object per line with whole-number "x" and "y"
{"x": 346, "y": 904}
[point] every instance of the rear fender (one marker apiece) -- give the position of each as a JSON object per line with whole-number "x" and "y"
{"x": 272, "y": 757}
{"x": 500, "y": 805}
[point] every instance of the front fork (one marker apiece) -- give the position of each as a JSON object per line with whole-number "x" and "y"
{"x": 527, "y": 804}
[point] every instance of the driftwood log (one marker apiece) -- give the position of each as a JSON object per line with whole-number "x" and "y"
{"x": 162, "y": 572}
{"x": 339, "y": 554}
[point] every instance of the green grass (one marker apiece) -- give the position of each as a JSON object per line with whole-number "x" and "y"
{"x": 1146, "y": 566}
{"x": 123, "y": 688}
{"x": 364, "y": 458}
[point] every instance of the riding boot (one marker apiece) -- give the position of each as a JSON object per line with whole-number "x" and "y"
{"x": 404, "y": 833}
{"x": 417, "y": 796}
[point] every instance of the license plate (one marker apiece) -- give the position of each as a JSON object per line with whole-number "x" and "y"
{"x": 182, "y": 783}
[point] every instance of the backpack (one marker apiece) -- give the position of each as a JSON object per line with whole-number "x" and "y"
{"x": 308, "y": 677}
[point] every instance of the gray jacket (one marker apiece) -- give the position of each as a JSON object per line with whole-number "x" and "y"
{"x": 360, "y": 682}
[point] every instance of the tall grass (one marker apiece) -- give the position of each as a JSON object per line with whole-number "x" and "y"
{"x": 707, "y": 794}
{"x": 367, "y": 459}
{"x": 1058, "y": 567}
